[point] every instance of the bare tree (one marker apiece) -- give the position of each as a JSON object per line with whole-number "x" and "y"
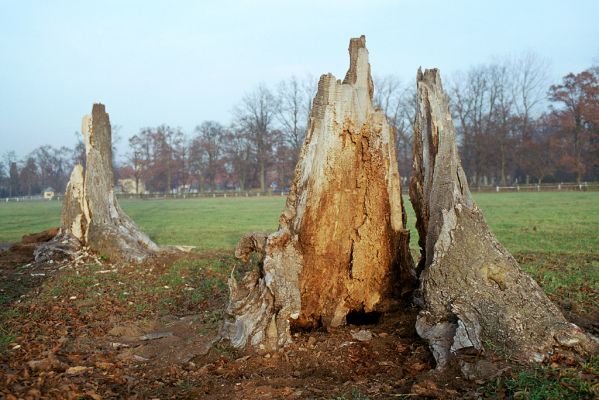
{"x": 205, "y": 155}
{"x": 138, "y": 158}
{"x": 10, "y": 160}
{"x": 53, "y": 166}
{"x": 494, "y": 105}
{"x": 529, "y": 85}
{"x": 116, "y": 139}
{"x": 29, "y": 177}
{"x": 161, "y": 154}
{"x": 500, "y": 124}
{"x": 292, "y": 112}
{"x": 255, "y": 116}
{"x": 239, "y": 157}
{"x": 397, "y": 101}
{"x": 541, "y": 148}
{"x": 530, "y": 78}
{"x": 469, "y": 100}
{"x": 78, "y": 151}
{"x": 3, "y": 179}
{"x": 13, "y": 179}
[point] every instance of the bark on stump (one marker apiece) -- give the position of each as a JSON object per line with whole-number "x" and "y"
{"x": 473, "y": 290}
{"x": 91, "y": 213}
{"x": 341, "y": 245}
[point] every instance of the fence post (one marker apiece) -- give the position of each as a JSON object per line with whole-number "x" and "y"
{"x": 497, "y": 189}
{"x": 559, "y": 186}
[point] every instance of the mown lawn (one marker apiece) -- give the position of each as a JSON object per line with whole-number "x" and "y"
{"x": 524, "y": 222}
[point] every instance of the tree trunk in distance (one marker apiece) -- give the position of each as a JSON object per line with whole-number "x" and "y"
{"x": 91, "y": 213}
{"x": 341, "y": 245}
{"x": 473, "y": 291}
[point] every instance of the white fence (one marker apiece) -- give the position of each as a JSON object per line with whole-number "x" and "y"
{"x": 545, "y": 187}
{"x": 28, "y": 198}
{"x": 163, "y": 196}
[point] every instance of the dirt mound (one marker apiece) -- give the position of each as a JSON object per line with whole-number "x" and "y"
{"x": 22, "y": 252}
{"x": 39, "y": 237}
{"x": 17, "y": 273}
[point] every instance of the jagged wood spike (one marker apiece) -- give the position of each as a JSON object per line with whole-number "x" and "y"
{"x": 341, "y": 245}
{"x": 473, "y": 290}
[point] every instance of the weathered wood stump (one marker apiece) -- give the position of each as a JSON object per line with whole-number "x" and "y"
{"x": 91, "y": 213}
{"x": 341, "y": 245}
{"x": 473, "y": 290}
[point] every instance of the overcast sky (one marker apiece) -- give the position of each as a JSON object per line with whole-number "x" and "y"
{"x": 183, "y": 62}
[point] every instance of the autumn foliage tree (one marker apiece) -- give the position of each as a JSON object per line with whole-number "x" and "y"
{"x": 576, "y": 111}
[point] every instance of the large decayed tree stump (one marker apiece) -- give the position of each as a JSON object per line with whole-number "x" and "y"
{"x": 341, "y": 244}
{"x": 472, "y": 289}
{"x": 91, "y": 213}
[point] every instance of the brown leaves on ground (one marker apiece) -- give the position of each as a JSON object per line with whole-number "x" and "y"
{"x": 95, "y": 330}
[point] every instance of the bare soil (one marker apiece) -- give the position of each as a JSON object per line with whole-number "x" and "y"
{"x": 92, "y": 329}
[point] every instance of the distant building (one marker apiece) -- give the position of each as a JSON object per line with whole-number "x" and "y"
{"x": 48, "y": 193}
{"x": 128, "y": 186}
{"x": 182, "y": 189}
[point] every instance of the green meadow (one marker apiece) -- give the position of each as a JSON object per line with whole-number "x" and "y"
{"x": 565, "y": 222}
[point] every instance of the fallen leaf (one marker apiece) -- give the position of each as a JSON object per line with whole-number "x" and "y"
{"x": 77, "y": 370}
{"x": 46, "y": 364}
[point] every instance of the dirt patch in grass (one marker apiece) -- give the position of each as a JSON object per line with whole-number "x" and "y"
{"x": 97, "y": 329}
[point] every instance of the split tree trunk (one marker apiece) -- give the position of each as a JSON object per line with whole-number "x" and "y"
{"x": 342, "y": 245}
{"x": 91, "y": 213}
{"x": 473, "y": 290}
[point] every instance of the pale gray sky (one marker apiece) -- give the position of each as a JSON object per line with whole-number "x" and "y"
{"x": 182, "y": 62}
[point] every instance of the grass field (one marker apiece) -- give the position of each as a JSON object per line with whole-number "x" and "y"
{"x": 524, "y": 222}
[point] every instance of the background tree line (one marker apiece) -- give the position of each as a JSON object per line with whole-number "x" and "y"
{"x": 513, "y": 126}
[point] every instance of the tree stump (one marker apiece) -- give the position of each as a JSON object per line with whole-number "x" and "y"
{"x": 473, "y": 291}
{"x": 341, "y": 245}
{"x": 91, "y": 213}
